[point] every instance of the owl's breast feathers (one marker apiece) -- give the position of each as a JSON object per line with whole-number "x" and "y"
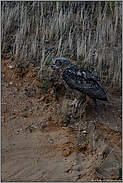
{"x": 85, "y": 81}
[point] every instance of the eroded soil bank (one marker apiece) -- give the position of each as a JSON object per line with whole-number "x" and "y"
{"x": 38, "y": 146}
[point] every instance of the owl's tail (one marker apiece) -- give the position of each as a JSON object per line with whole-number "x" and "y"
{"x": 95, "y": 104}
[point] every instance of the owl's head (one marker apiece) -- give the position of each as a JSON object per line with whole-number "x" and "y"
{"x": 60, "y": 63}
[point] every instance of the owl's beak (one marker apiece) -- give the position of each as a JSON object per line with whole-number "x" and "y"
{"x": 52, "y": 65}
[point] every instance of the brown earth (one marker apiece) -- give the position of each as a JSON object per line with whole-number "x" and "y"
{"x": 38, "y": 146}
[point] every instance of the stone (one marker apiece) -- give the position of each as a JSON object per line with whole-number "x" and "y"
{"x": 66, "y": 152}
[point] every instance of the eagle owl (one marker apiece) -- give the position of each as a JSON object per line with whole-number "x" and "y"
{"x": 79, "y": 80}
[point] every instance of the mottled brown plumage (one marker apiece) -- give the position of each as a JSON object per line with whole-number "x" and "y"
{"x": 79, "y": 79}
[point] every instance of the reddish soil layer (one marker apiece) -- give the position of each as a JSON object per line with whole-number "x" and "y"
{"x": 38, "y": 146}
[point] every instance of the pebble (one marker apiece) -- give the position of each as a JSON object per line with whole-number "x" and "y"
{"x": 37, "y": 108}
{"x": 10, "y": 66}
{"x": 25, "y": 109}
{"x": 51, "y": 140}
{"x": 69, "y": 170}
{"x": 39, "y": 100}
{"x": 84, "y": 131}
{"x": 74, "y": 164}
{"x": 66, "y": 152}
{"x": 78, "y": 176}
{"x": 64, "y": 128}
{"x": 15, "y": 110}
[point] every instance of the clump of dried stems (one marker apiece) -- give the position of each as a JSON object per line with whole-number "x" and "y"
{"x": 87, "y": 32}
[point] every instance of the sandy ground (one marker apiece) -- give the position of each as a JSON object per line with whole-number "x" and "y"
{"x": 38, "y": 146}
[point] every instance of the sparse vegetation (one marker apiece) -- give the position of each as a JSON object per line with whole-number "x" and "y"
{"x": 86, "y": 31}
{"x": 112, "y": 3}
{"x": 45, "y": 86}
{"x": 30, "y": 127}
{"x": 120, "y": 170}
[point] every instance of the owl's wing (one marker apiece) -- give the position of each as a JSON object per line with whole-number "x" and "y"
{"x": 83, "y": 72}
{"x": 79, "y": 81}
{"x": 90, "y": 75}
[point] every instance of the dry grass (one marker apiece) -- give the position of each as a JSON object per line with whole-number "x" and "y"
{"x": 88, "y": 33}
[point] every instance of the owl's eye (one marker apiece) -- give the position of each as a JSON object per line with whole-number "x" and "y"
{"x": 57, "y": 63}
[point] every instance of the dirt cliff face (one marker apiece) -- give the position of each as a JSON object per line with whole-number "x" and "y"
{"x": 42, "y": 139}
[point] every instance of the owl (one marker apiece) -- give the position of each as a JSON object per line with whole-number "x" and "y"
{"x": 79, "y": 81}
